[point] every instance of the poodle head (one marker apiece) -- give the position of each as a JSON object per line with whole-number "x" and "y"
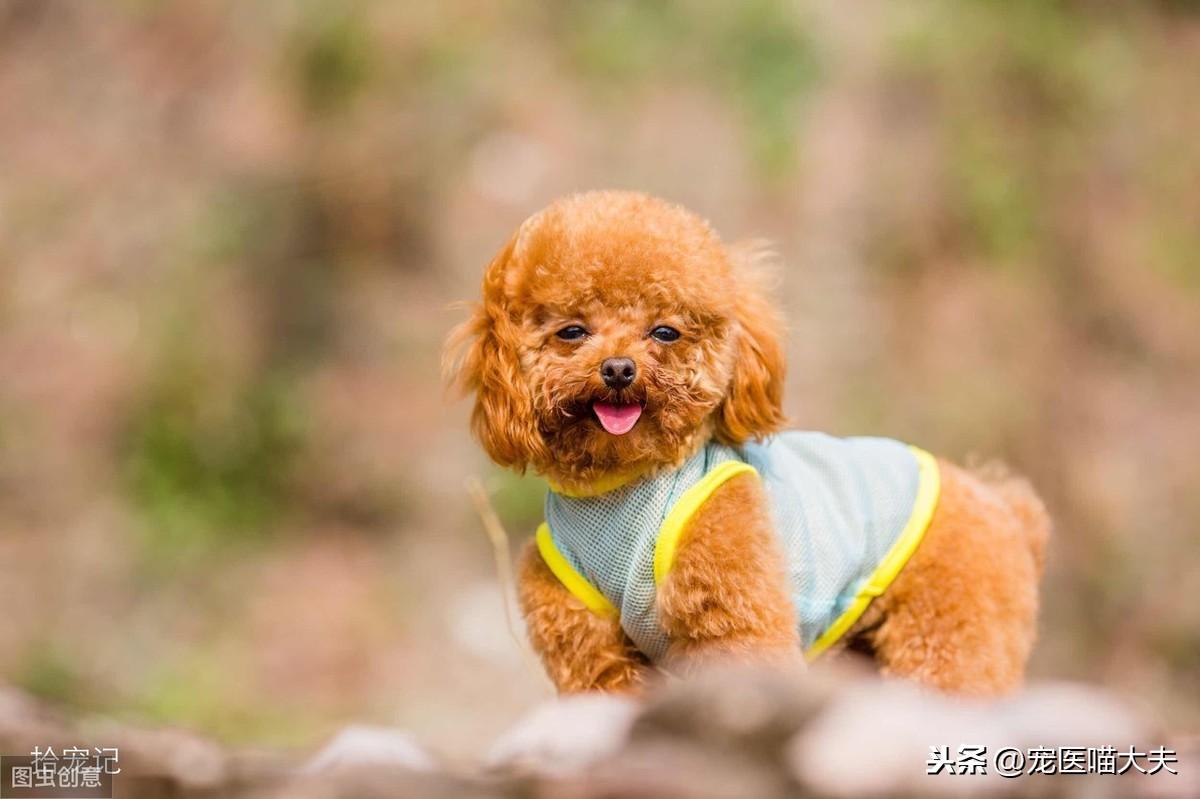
{"x": 617, "y": 335}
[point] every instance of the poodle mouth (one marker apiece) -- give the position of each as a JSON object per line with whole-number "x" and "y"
{"x": 617, "y": 418}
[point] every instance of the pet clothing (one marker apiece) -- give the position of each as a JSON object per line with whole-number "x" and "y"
{"x": 848, "y": 514}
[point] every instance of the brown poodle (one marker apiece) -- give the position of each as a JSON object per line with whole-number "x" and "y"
{"x": 629, "y": 357}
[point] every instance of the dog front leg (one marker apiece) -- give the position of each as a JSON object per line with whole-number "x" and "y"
{"x": 580, "y": 650}
{"x": 726, "y": 594}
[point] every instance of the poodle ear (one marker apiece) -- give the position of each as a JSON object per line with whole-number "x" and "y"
{"x": 753, "y": 404}
{"x": 481, "y": 356}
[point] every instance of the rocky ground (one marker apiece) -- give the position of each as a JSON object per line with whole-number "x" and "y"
{"x": 723, "y": 734}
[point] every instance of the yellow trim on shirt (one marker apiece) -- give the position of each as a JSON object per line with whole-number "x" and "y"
{"x": 574, "y": 582}
{"x": 671, "y": 533}
{"x": 605, "y": 484}
{"x": 683, "y": 510}
{"x": 928, "y": 490}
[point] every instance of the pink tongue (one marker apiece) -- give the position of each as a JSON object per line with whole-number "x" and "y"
{"x": 617, "y": 419}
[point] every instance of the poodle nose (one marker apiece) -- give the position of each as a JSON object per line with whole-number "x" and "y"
{"x": 618, "y": 373}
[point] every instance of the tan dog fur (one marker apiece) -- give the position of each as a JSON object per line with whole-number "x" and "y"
{"x": 961, "y": 616}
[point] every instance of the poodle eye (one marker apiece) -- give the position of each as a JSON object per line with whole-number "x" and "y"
{"x": 664, "y": 334}
{"x": 572, "y": 333}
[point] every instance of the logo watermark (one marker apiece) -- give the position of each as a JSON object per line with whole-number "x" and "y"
{"x": 1012, "y": 762}
{"x": 71, "y": 773}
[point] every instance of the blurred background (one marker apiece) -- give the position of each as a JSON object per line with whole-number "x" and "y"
{"x": 231, "y": 482}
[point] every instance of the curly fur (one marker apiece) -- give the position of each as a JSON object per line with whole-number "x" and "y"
{"x": 961, "y": 615}
{"x": 622, "y": 263}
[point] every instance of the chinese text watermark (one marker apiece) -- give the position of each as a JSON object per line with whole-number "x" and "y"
{"x": 1011, "y": 762}
{"x": 72, "y": 771}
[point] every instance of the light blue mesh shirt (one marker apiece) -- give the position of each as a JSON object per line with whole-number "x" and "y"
{"x": 848, "y": 512}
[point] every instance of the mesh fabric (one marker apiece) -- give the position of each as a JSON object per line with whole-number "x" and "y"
{"x": 838, "y": 505}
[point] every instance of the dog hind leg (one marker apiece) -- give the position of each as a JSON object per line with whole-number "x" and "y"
{"x": 961, "y": 616}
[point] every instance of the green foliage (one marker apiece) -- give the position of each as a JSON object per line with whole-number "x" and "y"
{"x": 518, "y": 500}
{"x": 203, "y": 692}
{"x": 997, "y": 198}
{"x": 1016, "y": 83}
{"x": 238, "y": 221}
{"x": 444, "y": 67}
{"x": 1179, "y": 646}
{"x": 1172, "y": 235}
{"x": 758, "y": 54}
{"x": 1181, "y": 7}
{"x": 332, "y": 58}
{"x": 285, "y": 229}
{"x": 767, "y": 61}
{"x": 623, "y": 40}
{"x": 49, "y": 673}
{"x": 1175, "y": 252}
{"x": 205, "y": 472}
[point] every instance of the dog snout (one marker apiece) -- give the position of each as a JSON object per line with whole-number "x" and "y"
{"x": 618, "y": 373}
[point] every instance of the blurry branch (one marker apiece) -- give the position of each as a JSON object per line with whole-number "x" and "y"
{"x": 503, "y": 558}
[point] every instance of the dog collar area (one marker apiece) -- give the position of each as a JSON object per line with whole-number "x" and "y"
{"x": 596, "y": 488}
